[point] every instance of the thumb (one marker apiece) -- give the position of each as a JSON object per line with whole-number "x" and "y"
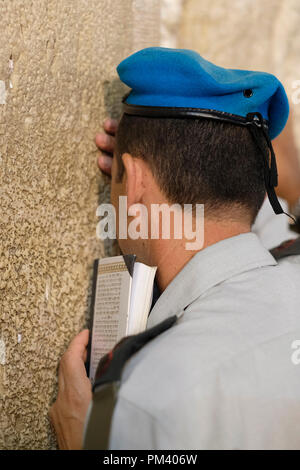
{"x": 79, "y": 344}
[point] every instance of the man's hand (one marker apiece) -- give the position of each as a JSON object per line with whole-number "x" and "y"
{"x": 106, "y": 143}
{"x": 68, "y": 413}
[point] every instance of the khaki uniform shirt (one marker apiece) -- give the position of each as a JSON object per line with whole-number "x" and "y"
{"x": 227, "y": 374}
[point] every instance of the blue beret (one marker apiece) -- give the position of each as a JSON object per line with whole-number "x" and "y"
{"x": 181, "y": 78}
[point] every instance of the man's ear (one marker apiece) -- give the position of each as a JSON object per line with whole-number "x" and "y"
{"x": 134, "y": 173}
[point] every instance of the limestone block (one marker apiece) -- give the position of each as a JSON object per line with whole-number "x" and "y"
{"x": 57, "y": 83}
{"x": 247, "y": 34}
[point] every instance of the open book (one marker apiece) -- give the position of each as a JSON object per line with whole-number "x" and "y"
{"x": 121, "y": 300}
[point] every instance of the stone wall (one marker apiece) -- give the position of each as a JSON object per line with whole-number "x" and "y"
{"x": 57, "y": 83}
{"x": 247, "y": 34}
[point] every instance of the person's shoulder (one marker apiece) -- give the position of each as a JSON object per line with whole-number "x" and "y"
{"x": 266, "y": 282}
{"x": 158, "y": 372}
{"x": 233, "y": 319}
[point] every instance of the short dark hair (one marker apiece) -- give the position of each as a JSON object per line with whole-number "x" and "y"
{"x": 199, "y": 160}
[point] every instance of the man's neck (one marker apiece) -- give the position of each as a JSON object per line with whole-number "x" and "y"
{"x": 170, "y": 256}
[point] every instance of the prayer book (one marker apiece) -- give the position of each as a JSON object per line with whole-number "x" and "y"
{"x": 121, "y": 301}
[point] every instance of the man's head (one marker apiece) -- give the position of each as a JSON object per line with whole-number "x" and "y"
{"x": 197, "y": 161}
{"x": 189, "y": 161}
{"x": 168, "y": 85}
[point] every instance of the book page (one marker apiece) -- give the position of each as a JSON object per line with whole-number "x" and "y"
{"x": 111, "y": 308}
{"x": 141, "y": 297}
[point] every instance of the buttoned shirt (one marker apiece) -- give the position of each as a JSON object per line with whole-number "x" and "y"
{"x": 227, "y": 374}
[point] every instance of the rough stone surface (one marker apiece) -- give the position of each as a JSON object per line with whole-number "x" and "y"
{"x": 248, "y": 34}
{"x": 57, "y": 83}
{"x": 171, "y": 13}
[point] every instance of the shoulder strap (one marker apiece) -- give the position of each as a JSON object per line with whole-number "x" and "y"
{"x": 108, "y": 376}
{"x": 287, "y": 248}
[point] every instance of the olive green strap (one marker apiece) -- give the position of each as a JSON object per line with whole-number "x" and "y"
{"x": 99, "y": 421}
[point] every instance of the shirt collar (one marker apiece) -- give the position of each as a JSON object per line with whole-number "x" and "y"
{"x": 207, "y": 268}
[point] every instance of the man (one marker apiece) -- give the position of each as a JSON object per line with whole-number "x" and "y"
{"x": 225, "y": 376}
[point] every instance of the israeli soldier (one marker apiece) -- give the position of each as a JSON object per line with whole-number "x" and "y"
{"x": 218, "y": 365}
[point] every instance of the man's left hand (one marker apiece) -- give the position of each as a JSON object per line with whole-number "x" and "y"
{"x": 74, "y": 395}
